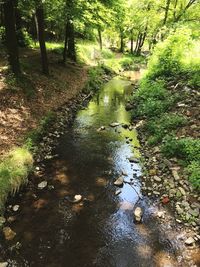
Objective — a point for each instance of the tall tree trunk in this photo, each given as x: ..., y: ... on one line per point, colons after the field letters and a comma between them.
x: 137, y: 42
x: 100, y: 39
x: 175, y: 6
x: 166, y: 11
x: 66, y: 43
x: 41, y: 35
x: 131, y: 44
x: 11, y: 38
x: 121, y: 41
x: 1, y: 15
x: 71, y: 50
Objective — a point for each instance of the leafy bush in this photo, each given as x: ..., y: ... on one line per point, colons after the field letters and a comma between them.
x: 2, y: 35
x: 159, y: 127
x: 187, y: 148
x: 167, y: 59
x: 194, y: 173
x: 24, y: 38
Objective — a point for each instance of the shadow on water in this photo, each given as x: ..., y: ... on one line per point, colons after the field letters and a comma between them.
x: 99, y: 231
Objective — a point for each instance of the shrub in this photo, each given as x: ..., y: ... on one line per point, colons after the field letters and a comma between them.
x: 24, y: 38
x: 194, y: 173
x: 168, y: 57
x: 2, y: 35
x: 159, y: 127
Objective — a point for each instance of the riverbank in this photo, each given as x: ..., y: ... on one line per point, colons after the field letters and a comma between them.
x: 166, y: 115
x: 30, y: 106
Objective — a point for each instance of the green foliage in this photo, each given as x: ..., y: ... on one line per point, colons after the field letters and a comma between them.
x: 188, y: 150
x: 167, y: 59
x: 24, y: 38
x: 2, y: 35
x: 152, y: 98
x: 157, y: 128
x: 193, y: 170
x: 14, y: 170
x: 95, y: 78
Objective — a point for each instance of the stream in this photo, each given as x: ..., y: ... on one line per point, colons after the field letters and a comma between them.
x: 100, y: 230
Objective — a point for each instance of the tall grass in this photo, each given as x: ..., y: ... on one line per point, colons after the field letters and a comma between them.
x: 14, y: 170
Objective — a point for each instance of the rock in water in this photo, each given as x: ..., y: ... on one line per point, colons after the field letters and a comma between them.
x: 138, y: 214
x: 118, y: 192
x: 119, y: 181
x: 3, y: 264
x: 42, y: 185
x: 77, y: 198
x: 114, y: 124
x: 16, y: 208
x: 9, y: 234
x: 189, y: 241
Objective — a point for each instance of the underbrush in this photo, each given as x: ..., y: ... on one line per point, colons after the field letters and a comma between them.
x: 175, y: 61
x: 157, y: 128
x: 188, y: 151
x: 14, y: 170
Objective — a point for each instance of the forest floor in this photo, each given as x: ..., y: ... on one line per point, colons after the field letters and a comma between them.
x: 25, y: 101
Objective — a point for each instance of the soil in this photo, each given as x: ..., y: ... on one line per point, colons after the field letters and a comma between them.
x: 24, y: 103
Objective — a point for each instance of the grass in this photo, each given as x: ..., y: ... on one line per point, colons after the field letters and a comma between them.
x: 14, y: 170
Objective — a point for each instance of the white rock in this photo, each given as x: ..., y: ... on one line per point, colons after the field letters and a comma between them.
x: 138, y: 214
x: 118, y: 192
x: 15, y: 208
x: 77, y: 198
x: 161, y: 214
x: 189, y: 241
x: 42, y: 185
x: 119, y: 181
x: 3, y: 264
x: 114, y: 124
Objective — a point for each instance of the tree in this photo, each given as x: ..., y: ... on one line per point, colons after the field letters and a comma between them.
x: 41, y: 37
x: 11, y: 38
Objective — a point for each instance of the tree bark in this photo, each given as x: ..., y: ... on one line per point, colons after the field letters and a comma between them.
x: 166, y: 11
x: 100, y: 39
x: 41, y: 36
x: 11, y: 38
x: 121, y: 41
x: 66, y: 43
x: 71, y: 50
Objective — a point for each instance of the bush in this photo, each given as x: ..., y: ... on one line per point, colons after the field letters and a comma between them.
x: 187, y: 148
x: 194, y: 173
x: 159, y: 127
x: 24, y: 38
x: 2, y: 35
x: 168, y: 57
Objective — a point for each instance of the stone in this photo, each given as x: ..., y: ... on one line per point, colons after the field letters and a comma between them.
x: 15, y: 208
x: 2, y: 221
x: 182, y: 191
x: 119, y: 181
x: 77, y: 198
x: 157, y: 179
x: 118, y: 192
x: 3, y: 264
x: 133, y: 160
x: 175, y: 175
x: 161, y: 214
x: 102, y: 128
x: 42, y: 185
x: 114, y: 124
x: 179, y: 210
x: 9, y: 234
x: 138, y: 214
x: 189, y: 241
x: 152, y: 172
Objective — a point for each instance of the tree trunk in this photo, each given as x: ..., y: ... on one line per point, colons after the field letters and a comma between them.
x: 131, y: 44
x: 41, y: 35
x: 65, y: 44
x: 71, y: 50
x: 121, y: 41
x: 166, y: 11
x: 11, y: 38
x: 100, y: 39
x: 1, y: 15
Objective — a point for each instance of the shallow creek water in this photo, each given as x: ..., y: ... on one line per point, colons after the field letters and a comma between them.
x: 99, y: 231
